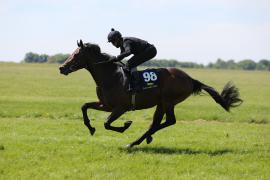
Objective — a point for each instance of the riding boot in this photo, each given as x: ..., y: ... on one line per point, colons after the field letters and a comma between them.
x: 130, y: 84
x: 129, y: 77
x: 136, y: 81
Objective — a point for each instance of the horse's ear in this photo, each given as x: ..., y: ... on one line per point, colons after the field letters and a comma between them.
x: 81, y: 43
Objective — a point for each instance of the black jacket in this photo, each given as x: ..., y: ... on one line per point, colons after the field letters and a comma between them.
x: 132, y: 45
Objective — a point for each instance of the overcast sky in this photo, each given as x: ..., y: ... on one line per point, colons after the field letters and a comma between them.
x: 186, y: 30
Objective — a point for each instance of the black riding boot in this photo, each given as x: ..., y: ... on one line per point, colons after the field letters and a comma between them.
x: 135, y: 81
x: 133, y: 77
x: 129, y: 77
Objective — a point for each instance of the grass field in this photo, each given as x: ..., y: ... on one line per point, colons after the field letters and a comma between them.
x: 42, y: 135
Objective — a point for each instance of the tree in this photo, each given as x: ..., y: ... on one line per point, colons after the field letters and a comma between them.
x: 58, y: 58
x: 247, y: 64
x: 263, y: 65
x: 231, y: 64
x: 221, y: 64
x: 31, y: 57
x: 43, y: 58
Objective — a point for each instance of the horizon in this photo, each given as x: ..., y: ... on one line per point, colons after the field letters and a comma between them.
x: 199, y: 32
x: 155, y: 59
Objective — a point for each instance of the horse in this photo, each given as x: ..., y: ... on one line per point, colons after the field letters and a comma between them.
x: 111, y: 88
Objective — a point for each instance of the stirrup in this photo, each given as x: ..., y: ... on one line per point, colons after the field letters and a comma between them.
x: 133, y: 101
x: 130, y: 88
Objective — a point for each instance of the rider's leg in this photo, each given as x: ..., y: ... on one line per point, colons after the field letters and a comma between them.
x: 138, y: 59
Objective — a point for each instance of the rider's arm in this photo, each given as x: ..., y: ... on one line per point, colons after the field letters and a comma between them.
x: 126, y: 52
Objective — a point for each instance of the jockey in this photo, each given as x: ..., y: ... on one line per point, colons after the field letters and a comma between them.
x: 142, y: 51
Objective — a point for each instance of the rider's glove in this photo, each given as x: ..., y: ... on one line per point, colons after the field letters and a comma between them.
x: 113, y: 59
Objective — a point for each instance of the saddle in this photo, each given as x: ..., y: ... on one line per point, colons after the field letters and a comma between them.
x: 143, y: 80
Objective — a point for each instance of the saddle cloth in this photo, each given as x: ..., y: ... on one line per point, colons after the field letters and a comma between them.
x: 143, y: 80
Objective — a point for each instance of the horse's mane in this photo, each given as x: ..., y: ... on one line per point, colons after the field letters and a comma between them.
x: 96, y: 49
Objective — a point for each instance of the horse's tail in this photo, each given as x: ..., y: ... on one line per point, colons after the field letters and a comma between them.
x: 228, y: 98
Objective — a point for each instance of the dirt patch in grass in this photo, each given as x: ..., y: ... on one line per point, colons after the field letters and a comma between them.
x: 201, y: 121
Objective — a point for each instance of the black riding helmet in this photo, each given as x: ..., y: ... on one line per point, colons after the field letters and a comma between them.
x: 114, y: 35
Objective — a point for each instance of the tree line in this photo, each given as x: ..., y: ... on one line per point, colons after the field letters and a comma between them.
x: 246, y: 64
x: 31, y: 57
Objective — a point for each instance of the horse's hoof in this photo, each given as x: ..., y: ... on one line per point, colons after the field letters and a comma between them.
x: 92, y: 131
x: 127, y: 124
x: 149, y: 139
x: 129, y: 146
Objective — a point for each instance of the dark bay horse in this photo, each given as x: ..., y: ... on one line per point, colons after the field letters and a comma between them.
x: 174, y: 87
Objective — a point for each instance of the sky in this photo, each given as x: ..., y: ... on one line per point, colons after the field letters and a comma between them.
x: 200, y: 31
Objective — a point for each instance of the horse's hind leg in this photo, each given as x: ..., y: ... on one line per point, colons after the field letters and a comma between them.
x: 170, y: 118
x: 156, y: 125
x: 158, y: 116
x: 91, y: 105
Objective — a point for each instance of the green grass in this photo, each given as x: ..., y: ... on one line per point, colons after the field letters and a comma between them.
x: 34, y: 90
x: 42, y: 135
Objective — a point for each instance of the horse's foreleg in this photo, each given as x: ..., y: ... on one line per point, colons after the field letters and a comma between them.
x: 91, y: 105
x: 116, y: 113
x: 158, y: 116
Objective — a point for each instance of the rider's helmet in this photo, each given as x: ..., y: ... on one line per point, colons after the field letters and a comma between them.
x: 114, y: 35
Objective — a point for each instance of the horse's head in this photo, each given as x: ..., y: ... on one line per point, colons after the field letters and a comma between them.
x: 82, y: 57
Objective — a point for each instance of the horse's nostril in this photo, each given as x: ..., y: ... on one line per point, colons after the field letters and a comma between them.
x: 61, y: 69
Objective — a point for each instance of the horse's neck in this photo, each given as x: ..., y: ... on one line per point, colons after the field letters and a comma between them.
x: 107, y: 76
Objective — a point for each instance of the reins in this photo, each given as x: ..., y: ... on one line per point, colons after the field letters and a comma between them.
x: 107, y: 62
